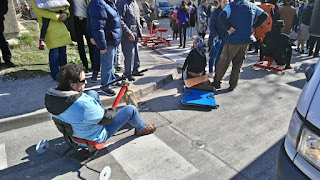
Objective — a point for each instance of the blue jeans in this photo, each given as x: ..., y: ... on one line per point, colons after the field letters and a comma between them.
x: 127, y: 114
x: 131, y: 57
x: 57, y: 58
x: 107, y: 61
x: 213, y: 56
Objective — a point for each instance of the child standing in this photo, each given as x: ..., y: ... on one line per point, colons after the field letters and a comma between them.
x: 174, y: 24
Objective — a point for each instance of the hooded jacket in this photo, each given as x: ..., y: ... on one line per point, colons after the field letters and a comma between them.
x: 57, y: 34
x: 86, y: 116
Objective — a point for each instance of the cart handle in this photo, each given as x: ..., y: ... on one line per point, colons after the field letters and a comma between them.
x: 123, y: 78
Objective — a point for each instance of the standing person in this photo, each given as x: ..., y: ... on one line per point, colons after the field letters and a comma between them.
x: 106, y: 30
x: 80, y: 27
x: 239, y: 17
x: 214, y: 6
x: 313, y: 40
x: 202, y: 19
x: 260, y: 32
x: 304, y: 27
x: 218, y: 32
x: 174, y: 24
x: 4, y: 45
x: 183, y: 20
x: 288, y: 14
x: 147, y: 12
x: 192, y: 19
x: 57, y: 37
x: 132, y: 30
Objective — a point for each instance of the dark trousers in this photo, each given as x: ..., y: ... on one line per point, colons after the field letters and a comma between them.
x: 287, y: 56
x: 184, y: 29
x: 80, y: 26
x: 45, y: 25
x: 4, y: 45
x: 313, y: 40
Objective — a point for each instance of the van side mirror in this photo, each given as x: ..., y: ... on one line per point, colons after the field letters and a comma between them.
x: 309, y: 72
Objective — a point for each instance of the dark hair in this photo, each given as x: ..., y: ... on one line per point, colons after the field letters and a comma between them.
x: 184, y: 7
x: 69, y: 73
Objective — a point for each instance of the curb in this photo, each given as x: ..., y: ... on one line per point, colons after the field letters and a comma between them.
x: 42, y: 115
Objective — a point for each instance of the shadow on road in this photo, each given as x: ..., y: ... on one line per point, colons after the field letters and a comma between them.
x: 50, y: 165
x: 264, y: 167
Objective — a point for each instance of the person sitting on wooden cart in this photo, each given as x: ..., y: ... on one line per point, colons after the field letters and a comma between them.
x: 84, y: 111
x: 277, y: 45
x: 196, y: 61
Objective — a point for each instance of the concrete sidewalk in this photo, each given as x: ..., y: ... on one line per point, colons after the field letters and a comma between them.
x: 22, y: 101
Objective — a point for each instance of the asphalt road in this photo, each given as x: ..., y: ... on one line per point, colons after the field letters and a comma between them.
x: 239, y: 140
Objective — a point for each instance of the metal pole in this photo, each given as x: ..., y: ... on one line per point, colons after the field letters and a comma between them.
x: 155, y: 9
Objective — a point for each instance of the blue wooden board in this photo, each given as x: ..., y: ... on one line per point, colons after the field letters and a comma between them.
x: 199, y: 98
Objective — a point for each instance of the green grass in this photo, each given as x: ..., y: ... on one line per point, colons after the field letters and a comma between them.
x: 31, y: 61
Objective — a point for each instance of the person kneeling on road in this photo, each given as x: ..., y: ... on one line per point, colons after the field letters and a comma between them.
x: 84, y: 111
x: 277, y: 45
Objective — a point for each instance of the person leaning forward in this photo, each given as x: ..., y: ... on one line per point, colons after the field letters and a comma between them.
x: 240, y: 25
x: 84, y: 111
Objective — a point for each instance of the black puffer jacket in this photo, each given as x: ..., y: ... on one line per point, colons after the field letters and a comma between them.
x: 196, y: 61
x: 3, y: 9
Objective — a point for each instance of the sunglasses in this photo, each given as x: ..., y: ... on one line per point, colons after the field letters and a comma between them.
x: 82, y: 81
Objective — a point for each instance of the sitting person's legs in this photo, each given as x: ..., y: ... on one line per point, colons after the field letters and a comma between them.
x: 126, y: 114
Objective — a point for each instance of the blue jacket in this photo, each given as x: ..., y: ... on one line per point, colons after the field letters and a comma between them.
x: 216, y: 26
x: 183, y: 18
x: 86, y: 116
x: 241, y: 14
x: 105, y: 23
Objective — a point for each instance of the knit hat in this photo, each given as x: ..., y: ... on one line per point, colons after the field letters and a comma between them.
x: 198, y: 42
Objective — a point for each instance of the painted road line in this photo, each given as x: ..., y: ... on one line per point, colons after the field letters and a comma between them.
x: 148, y: 157
x: 3, y: 157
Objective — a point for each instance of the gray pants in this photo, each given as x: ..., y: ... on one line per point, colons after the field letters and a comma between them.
x: 231, y: 52
x: 131, y: 57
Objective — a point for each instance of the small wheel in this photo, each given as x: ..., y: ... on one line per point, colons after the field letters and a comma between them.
x: 42, y: 146
x: 105, y: 173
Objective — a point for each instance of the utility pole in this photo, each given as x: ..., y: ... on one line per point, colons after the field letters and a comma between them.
x: 155, y: 9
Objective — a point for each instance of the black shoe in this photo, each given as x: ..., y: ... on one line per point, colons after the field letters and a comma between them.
x: 255, y: 51
x: 310, y: 53
x: 119, y: 69
x: 216, y: 85
x: 315, y: 55
x: 297, y: 50
x: 131, y: 78
x: 11, y: 64
x: 230, y: 88
x: 180, y: 45
x: 94, y: 77
x: 109, y: 92
x: 139, y: 74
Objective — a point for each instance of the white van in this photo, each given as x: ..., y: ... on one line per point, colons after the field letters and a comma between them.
x: 299, y: 155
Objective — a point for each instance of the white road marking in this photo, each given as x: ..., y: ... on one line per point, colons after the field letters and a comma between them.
x: 3, y: 157
x: 148, y: 157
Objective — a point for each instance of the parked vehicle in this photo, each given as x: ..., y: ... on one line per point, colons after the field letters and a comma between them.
x: 299, y: 154
x: 164, y: 8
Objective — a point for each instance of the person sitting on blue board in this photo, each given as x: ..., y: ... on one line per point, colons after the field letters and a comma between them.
x: 196, y: 61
